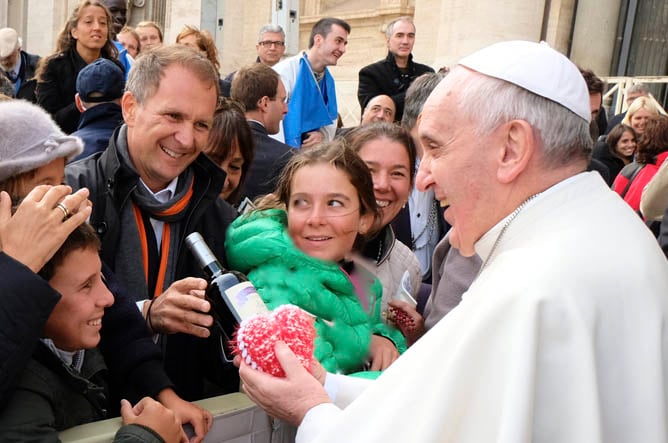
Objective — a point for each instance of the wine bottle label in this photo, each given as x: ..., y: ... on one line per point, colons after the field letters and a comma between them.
x: 246, y: 300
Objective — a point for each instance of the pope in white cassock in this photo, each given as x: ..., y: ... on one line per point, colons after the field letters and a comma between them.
x: 562, y: 337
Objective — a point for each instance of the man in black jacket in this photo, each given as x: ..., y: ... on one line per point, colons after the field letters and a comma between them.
x: 150, y: 189
x: 17, y: 65
x: 393, y: 75
x: 260, y: 89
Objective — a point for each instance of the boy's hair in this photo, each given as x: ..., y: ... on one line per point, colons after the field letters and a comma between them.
x: 83, y: 237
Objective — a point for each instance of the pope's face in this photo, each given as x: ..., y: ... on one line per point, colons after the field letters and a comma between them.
x: 457, y: 164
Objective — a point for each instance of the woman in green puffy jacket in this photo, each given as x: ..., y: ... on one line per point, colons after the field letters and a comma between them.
x: 303, y: 255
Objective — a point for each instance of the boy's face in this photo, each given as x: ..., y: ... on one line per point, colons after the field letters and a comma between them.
x: 76, y: 320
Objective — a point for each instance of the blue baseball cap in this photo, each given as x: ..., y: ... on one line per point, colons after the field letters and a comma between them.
x: 101, y: 81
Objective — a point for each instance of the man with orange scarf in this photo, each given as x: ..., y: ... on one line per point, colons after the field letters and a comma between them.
x: 152, y: 187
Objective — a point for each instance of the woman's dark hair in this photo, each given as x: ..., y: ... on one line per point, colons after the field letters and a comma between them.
x: 615, y: 134
x: 66, y: 42
x: 361, y: 135
x: 83, y: 237
x: 230, y: 126
x: 338, y: 154
x: 653, y: 141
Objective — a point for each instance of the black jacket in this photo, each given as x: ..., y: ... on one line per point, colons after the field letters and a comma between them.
x: 270, y: 158
x: 26, y: 301
x: 57, y: 86
x: 613, y: 163
x: 51, y: 397
x: 384, y: 77
x: 96, y: 126
x: 188, y: 359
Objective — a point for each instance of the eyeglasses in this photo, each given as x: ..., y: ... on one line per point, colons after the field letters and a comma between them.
x: 266, y: 43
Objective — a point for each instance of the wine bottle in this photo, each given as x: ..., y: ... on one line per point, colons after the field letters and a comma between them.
x: 233, y: 298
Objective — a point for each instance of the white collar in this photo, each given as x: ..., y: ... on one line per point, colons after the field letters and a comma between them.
x: 163, y: 195
x: 483, y: 247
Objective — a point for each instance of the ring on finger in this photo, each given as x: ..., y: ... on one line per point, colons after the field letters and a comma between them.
x: 62, y: 207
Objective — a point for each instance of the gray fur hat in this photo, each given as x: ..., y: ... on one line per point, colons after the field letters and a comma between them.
x: 29, y: 139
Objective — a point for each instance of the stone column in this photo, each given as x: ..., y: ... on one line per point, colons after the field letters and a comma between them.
x: 242, y: 23
x: 559, y: 24
x: 179, y: 13
x: 4, y: 12
x: 450, y: 29
x: 594, y: 35
x: 46, y: 19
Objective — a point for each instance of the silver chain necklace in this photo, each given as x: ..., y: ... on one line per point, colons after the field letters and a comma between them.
x: 509, y: 220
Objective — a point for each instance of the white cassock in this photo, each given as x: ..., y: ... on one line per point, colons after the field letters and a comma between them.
x: 561, y: 338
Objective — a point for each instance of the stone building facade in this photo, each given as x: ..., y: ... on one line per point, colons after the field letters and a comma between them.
x: 446, y: 29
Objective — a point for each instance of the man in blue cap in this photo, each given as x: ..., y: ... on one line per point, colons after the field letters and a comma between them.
x: 100, y: 86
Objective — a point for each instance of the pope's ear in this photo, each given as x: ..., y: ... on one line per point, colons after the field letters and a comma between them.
x: 518, y: 146
x: 129, y: 106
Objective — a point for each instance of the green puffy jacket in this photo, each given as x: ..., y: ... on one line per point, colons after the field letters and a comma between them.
x: 258, y: 245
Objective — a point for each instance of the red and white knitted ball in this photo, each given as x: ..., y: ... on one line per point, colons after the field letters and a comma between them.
x: 256, y: 337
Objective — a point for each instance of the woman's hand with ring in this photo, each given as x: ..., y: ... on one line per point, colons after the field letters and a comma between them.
x: 37, y: 229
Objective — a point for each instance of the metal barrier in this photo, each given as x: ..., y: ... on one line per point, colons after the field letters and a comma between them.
x: 236, y: 420
x: 621, y: 85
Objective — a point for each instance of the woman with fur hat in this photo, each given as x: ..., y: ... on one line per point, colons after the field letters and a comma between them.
x: 30, y: 237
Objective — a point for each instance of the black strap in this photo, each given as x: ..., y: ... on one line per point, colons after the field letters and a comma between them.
x: 638, y: 167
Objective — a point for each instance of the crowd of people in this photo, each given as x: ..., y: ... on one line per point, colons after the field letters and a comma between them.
x: 456, y: 248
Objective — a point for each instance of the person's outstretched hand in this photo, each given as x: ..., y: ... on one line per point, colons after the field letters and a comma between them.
x: 199, y: 418
x: 151, y: 414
